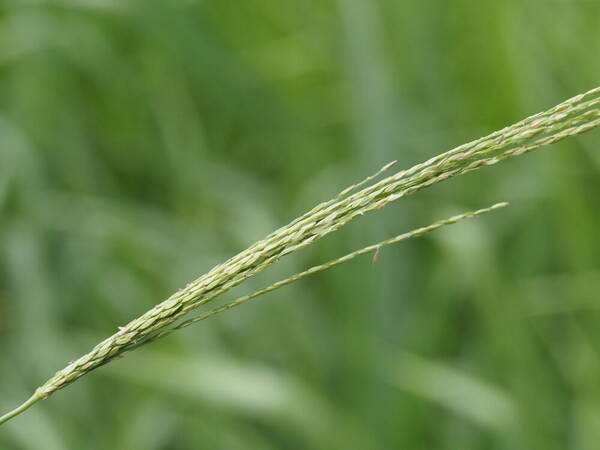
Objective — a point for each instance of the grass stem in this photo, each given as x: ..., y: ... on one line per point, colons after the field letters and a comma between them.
x: 24, y: 407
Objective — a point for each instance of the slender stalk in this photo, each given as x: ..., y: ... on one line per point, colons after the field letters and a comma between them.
x: 375, y: 248
x: 24, y: 407
x: 241, y: 300
x: 574, y: 116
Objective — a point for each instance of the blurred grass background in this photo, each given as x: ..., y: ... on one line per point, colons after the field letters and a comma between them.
x: 143, y: 142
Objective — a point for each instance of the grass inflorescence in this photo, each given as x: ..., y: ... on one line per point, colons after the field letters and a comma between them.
x: 574, y: 116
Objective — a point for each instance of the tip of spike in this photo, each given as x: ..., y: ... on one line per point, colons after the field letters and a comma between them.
x: 389, y: 165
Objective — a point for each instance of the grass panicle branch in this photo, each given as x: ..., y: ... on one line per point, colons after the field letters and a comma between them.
x: 375, y: 248
x: 241, y: 300
x: 574, y: 116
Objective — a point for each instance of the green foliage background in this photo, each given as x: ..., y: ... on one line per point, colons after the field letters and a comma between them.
x: 144, y: 141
